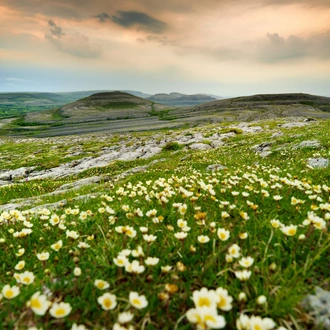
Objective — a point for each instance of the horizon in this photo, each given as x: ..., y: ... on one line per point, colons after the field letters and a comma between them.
x: 214, y: 47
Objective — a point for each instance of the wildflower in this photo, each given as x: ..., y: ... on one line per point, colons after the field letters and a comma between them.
x: 289, y: 230
x: 276, y: 223
x: 83, y: 245
x: 180, y: 235
x: 166, y: 269
x: 107, y: 301
x: 182, y: 209
x: 56, y: 246
x: 137, y: 301
x: 9, y: 292
x: 72, y: 234
x: 120, y: 261
x: 203, y: 239
x: 261, y: 300
x: 20, y: 252
x: 149, y: 238
x: 229, y: 258
x: 225, y: 215
x: 134, y: 267
x: 39, y: 303
x: 144, y: 229
x: 243, y: 275
x: 43, y: 256
x: 78, y: 327
x: 301, y: 237
x: 243, y: 235
x: 205, y: 318
x: 234, y: 251
x: 171, y: 288
x: 246, y: 262
x: 77, y: 271
x: 26, y: 278
x: 244, y: 215
x: 205, y: 298
x: 125, y: 317
x: 59, y: 310
x: 20, y: 265
x: 181, y: 223
x: 102, y: 285
x: 242, y: 296
x: 277, y: 197
x: 138, y: 252
x: 223, y: 234
x: 54, y: 220
x: 151, y: 261
x: 151, y: 213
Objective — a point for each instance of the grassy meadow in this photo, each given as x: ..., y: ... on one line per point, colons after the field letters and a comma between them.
x: 176, y: 246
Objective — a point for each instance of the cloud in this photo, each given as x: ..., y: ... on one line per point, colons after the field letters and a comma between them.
x: 55, y: 30
x: 140, y: 20
x: 75, y: 43
x: 275, y: 48
x: 103, y: 17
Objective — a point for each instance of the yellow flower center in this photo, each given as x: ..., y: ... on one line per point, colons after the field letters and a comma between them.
x: 204, y: 302
x: 107, y: 303
x: 223, y: 235
x: 136, y: 302
x: 35, y: 303
x: 100, y: 285
x: 292, y: 231
x: 26, y: 279
x: 222, y: 302
x: 9, y: 293
x: 60, y: 312
x: 209, y: 318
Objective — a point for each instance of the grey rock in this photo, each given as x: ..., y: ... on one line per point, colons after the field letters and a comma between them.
x: 217, y: 143
x: 84, y: 182
x: 200, y: 146
x: 319, y: 306
x: 318, y: 162
x: 264, y: 146
x: 277, y: 134
x: 216, y: 167
x: 17, y: 173
x: 294, y: 124
x: 265, y: 153
x: 309, y: 144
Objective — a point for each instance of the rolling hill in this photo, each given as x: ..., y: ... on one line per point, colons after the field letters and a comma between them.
x: 180, y: 100
x: 120, y: 112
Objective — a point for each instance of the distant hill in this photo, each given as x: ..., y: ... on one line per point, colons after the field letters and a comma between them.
x: 122, y: 112
x: 260, y: 106
x: 99, y: 106
x: 181, y: 100
x: 16, y: 104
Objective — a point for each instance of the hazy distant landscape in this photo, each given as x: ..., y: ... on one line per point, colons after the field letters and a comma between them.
x: 122, y: 112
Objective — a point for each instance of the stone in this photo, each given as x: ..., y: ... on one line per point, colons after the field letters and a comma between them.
x: 216, y: 167
x: 318, y: 162
x: 277, y: 134
x: 200, y: 146
x: 319, y: 306
x: 309, y: 144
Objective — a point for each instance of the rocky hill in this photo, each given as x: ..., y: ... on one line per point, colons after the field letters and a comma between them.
x: 180, y: 100
x: 123, y: 112
x: 261, y: 106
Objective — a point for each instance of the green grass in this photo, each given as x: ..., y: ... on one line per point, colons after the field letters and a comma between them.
x: 284, y: 270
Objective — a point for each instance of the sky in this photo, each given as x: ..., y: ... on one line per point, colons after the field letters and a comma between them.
x: 222, y: 47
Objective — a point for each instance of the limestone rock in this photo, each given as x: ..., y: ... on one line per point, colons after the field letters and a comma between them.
x: 309, y: 144
x: 318, y: 162
x: 216, y: 167
x: 200, y: 146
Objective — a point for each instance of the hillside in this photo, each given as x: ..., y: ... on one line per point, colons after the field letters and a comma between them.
x: 255, y: 107
x: 122, y: 112
x: 180, y: 100
x: 20, y: 103
x: 234, y: 215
